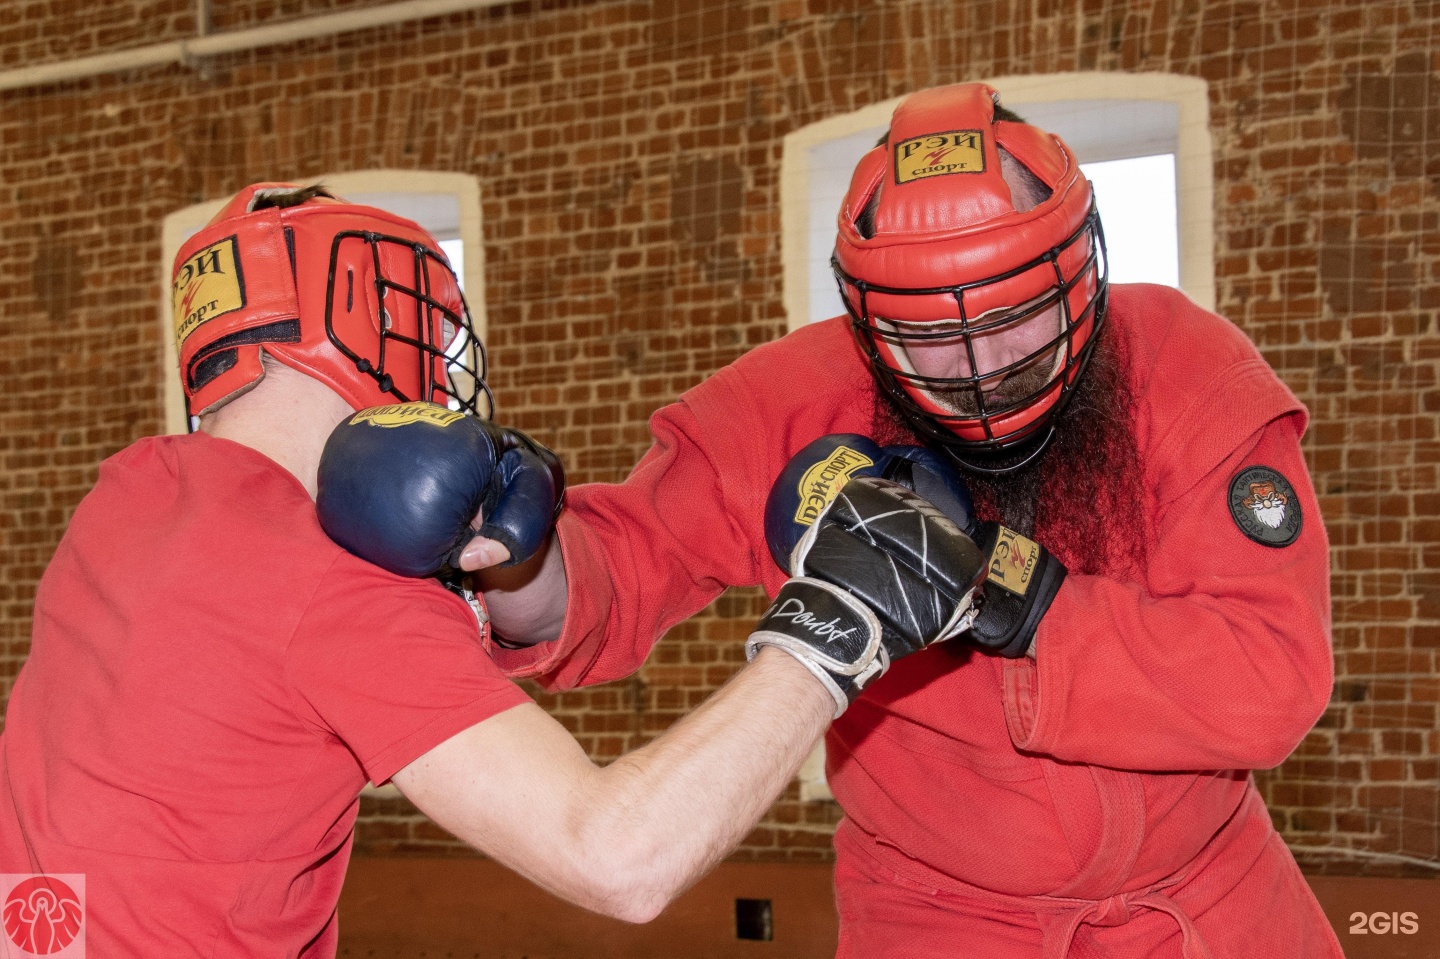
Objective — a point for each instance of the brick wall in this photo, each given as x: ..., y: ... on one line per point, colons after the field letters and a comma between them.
x: 628, y: 156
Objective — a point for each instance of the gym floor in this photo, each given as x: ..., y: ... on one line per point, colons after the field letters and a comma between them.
x: 476, y: 909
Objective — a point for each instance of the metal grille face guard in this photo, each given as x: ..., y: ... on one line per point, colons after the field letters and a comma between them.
x: 445, y: 353
x: 979, y: 439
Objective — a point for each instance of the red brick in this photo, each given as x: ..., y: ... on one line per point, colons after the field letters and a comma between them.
x: 628, y: 158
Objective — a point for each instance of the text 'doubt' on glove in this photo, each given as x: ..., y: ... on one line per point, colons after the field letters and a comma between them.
x: 879, y: 574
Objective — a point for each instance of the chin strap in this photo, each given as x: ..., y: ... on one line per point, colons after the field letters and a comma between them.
x: 1002, y: 462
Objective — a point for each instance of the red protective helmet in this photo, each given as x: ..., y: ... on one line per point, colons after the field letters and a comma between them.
x: 934, y: 253
x: 358, y: 298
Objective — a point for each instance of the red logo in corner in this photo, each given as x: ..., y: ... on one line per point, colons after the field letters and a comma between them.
x: 44, y: 915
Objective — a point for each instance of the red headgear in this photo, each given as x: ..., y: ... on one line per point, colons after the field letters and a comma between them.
x: 950, y: 257
x: 358, y: 298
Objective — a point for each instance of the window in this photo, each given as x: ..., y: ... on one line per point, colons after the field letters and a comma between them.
x: 446, y: 204
x: 1142, y: 140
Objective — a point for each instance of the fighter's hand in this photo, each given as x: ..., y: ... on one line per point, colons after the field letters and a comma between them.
x: 878, y: 575
x: 401, y: 485
x: 1023, y: 575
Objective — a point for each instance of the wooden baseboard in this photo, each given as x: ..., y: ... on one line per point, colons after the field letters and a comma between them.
x: 477, y: 909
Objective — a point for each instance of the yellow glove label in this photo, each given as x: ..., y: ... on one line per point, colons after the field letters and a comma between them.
x: 403, y: 414
x: 1012, y: 561
x: 823, y: 480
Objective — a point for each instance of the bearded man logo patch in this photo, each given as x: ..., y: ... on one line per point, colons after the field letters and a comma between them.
x: 1264, y: 506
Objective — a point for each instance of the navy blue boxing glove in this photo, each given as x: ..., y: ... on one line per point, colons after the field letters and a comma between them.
x: 399, y: 486
x: 1023, y: 575
x: 809, y: 482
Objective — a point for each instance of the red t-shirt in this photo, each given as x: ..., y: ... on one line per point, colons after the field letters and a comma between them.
x: 210, y: 683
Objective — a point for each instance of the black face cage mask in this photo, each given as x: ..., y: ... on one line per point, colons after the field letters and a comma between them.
x: 1000, y: 451
x: 463, y: 387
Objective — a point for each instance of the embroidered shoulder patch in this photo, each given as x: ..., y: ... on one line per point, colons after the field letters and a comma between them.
x: 1264, y: 506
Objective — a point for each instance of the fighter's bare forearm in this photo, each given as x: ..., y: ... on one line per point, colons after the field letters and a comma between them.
x: 527, y: 602
x: 664, y: 815
x: 628, y: 838
x: 625, y: 839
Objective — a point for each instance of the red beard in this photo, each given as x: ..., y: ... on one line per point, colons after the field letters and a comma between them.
x: 1084, y: 498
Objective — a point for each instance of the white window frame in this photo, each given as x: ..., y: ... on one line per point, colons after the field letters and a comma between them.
x: 1194, y: 171
x: 363, y: 186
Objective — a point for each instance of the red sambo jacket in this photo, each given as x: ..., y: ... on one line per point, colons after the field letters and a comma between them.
x: 1094, y: 800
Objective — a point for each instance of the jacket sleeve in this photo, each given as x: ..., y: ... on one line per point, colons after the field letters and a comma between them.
x: 1224, y: 661
x: 642, y: 555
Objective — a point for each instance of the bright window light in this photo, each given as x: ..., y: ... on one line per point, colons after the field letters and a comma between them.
x: 1149, y: 158
x: 1136, y: 197
x: 830, y: 166
x: 454, y: 251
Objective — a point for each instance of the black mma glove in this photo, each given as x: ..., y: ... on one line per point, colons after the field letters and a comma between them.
x: 880, y: 574
x: 1023, y: 575
x: 399, y: 485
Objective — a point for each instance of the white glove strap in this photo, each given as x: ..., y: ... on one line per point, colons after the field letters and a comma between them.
x: 829, y: 631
